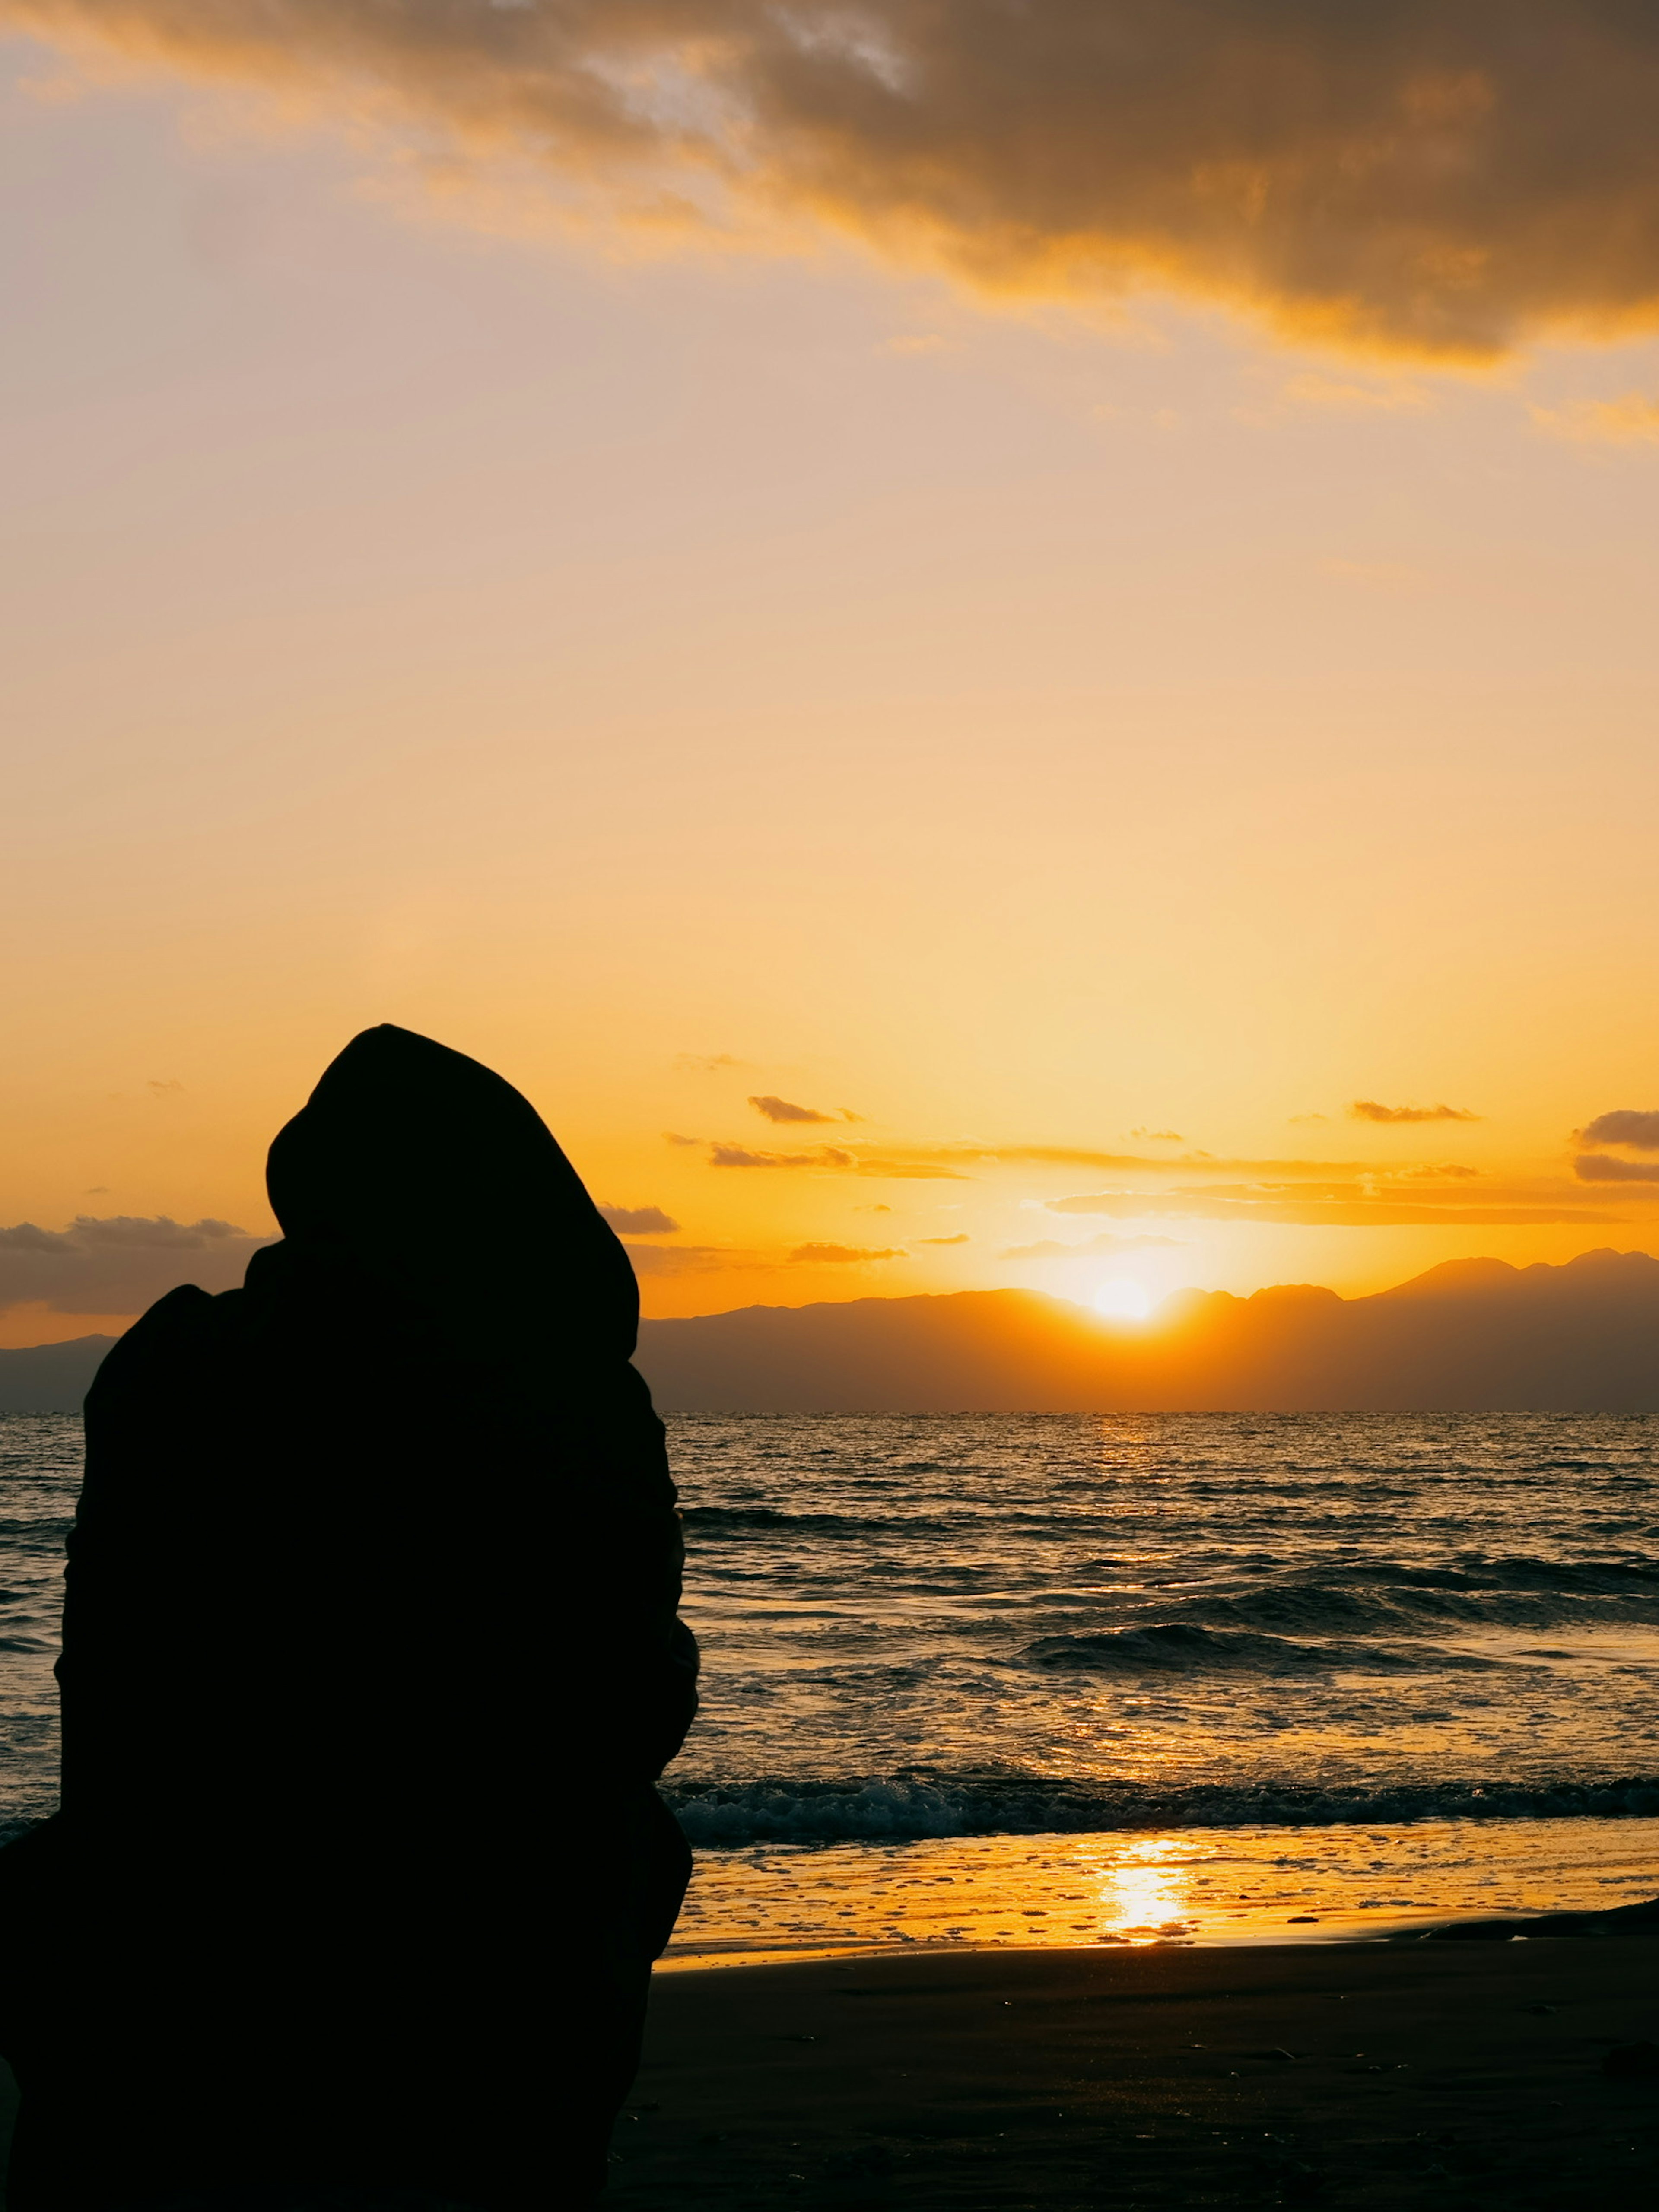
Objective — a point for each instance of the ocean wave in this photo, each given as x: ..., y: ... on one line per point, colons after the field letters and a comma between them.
x: 1408, y: 1609
x: 771, y: 1520
x: 1183, y: 1647
x: 726, y: 1815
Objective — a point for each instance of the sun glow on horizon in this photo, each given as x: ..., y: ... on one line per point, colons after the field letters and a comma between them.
x: 1122, y: 1298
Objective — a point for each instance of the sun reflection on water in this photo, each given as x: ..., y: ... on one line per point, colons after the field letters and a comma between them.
x: 1142, y: 1892
x: 1194, y: 1885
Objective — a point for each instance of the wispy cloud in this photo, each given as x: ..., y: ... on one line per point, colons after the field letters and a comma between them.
x: 1601, y: 1167
x: 834, y: 1159
x: 815, y: 1254
x: 692, y: 1259
x: 740, y: 1156
x: 1340, y: 1207
x: 1436, y: 179
x: 1370, y: 1109
x: 961, y: 1237
x: 784, y: 1109
x: 1632, y: 420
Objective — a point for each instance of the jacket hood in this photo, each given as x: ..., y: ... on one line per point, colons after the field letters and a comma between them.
x: 428, y: 1171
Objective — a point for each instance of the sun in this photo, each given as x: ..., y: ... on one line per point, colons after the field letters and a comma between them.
x: 1123, y: 1299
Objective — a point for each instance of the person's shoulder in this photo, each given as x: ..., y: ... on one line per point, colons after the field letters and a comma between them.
x: 173, y: 1333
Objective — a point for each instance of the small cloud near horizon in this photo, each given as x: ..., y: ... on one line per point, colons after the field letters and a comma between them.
x: 706, y: 1063
x: 831, y: 1156
x: 688, y: 1259
x: 119, y: 1263
x: 1370, y: 1109
x: 740, y: 1156
x: 1160, y: 1136
x: 962, y: 1238
x: 1634, y: 1127
x: 812, y: 1253
x: 164, y: 1090
x: 784, y: 1109
x: 1600, y: 1167
x: 1367, y: 1204
x: 639, y: 1220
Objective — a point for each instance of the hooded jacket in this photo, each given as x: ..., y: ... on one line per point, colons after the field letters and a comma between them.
x: 370, y: 1657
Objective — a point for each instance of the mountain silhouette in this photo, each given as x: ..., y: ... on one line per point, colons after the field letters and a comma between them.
x: 51, y: 1378
x: 1471, y: 1335
x: 1474, y: 1335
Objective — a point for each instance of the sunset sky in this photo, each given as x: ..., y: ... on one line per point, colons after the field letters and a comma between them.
x: 982, y: 646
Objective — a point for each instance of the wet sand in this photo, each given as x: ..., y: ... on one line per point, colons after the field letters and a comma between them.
x: 1441, y: 2074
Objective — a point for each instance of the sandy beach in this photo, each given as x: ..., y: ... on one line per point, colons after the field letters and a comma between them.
x: 1432, y: 2073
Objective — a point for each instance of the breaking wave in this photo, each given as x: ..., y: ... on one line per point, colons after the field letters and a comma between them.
x: 718, y: 1816
x: 1181, y: 1647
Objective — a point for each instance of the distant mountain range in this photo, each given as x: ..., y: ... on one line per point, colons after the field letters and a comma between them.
x: 1474, y: 1335
x: 49, y: 1378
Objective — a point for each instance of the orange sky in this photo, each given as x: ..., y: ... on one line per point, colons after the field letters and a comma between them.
x: 1019, y: 681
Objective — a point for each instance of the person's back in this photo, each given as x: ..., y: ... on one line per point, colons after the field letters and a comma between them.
x: 369, y: 1660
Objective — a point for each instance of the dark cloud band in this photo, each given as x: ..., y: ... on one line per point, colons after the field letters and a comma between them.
x: 1437, y: 176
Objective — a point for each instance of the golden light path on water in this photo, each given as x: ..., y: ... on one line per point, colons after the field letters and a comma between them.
x: 1189, y: 1885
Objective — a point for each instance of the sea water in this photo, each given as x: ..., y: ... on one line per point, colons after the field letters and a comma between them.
x: 1038, y: 1678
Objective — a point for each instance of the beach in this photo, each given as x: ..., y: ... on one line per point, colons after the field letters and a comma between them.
x: 1426, y: 2072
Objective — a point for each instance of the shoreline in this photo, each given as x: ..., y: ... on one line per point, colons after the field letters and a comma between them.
x: 1376, y: 2074
x: 1217, y: 1886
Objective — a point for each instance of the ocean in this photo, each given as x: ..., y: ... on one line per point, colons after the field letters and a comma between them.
x: 1171, y: 1677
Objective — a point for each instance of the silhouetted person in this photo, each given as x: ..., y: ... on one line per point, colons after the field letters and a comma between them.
x: 370, y: 1659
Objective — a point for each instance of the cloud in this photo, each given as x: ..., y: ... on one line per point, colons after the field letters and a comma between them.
x: 1092, y: 1247
x: 1159, y: 1136
x: 961, y: 1237
x: 1626, y: 1125
x: 783, y: 1110
x: 740, y: 1156
x: 1355, y: 1206
x: 639, y: 1220
x: 832, y: 1157
x: 1368, y: 1110
x: 817, y: 1252
x: 119, y: 1264
x: 1441, y: 180
x: 697, y: 1063
x: 689, y: 1259
x: 1633, y: 420
x: 673, y: 1136
x: 164, y: 1090
x: 1599, y: 1167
